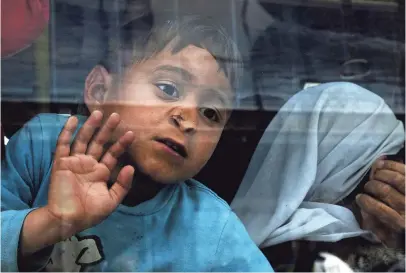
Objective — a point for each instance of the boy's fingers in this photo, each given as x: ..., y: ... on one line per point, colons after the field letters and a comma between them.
x: 123, y: 184
x: 392, y: 165
x: 381, y: 211
x: 393, y: 178
x: 65, y: 137
x: 387, y: 194
x: 116, y: 150
x: 86, y: 133
x: 96, y: 146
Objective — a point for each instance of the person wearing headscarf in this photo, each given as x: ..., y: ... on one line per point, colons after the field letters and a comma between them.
x: 310, y: 160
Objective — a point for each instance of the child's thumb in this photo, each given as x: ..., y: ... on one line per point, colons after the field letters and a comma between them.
x: 123, y: 184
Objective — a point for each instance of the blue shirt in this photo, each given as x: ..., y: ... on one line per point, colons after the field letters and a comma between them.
x: 186, y: 227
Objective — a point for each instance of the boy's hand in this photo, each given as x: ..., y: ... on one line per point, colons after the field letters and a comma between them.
x: 383, y: 204
x: 79, y: 196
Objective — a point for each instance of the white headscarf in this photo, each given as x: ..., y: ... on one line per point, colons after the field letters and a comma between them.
x: 313, y: 154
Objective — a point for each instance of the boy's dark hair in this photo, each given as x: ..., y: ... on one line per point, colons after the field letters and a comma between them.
x: 134, y: 45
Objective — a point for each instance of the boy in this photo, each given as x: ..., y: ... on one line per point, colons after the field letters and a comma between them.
x: 68, y: 206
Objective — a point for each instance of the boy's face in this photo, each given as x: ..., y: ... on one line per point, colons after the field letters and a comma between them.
x: 176, y: 105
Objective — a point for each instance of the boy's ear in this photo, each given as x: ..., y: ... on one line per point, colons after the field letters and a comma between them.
x: 98, y: 82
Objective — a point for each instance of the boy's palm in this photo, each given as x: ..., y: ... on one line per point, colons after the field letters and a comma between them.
x: 79, y: 195
x: 80, y: 188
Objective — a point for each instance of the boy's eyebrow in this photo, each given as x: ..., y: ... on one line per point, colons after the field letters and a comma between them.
x: 224, y: 99
x: 186, y: 75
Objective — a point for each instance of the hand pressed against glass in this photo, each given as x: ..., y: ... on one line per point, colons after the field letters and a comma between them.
x: 79, y: 196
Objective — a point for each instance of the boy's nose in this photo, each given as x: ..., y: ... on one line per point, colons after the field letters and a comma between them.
x: 185, y: 120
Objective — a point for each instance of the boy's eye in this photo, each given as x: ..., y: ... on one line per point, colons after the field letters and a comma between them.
x: 210, y: 114
x: 169, y: 89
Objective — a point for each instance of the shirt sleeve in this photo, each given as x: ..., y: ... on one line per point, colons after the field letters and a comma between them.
x: 237, y: 252
x: 21, y: 174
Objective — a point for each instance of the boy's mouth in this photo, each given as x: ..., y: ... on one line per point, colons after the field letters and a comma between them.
x: 175, y: 146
